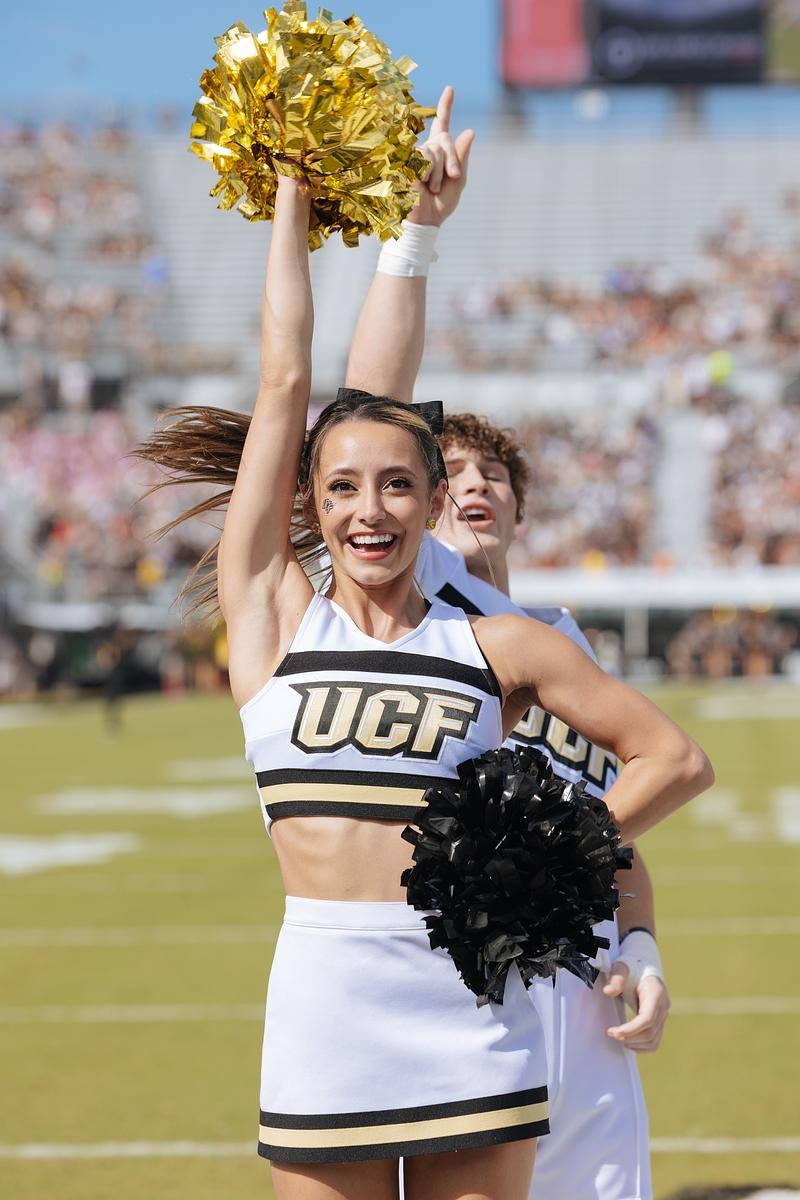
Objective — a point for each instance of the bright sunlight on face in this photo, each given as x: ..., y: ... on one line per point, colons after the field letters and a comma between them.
x: 481, y: 486
x: 373, y: 498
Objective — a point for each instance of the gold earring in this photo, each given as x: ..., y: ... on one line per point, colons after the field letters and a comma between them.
x: 315, y: 527
x: 430, y: 523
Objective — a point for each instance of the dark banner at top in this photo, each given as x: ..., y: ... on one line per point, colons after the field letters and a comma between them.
x: 677, y: 41
x: 568, y: 43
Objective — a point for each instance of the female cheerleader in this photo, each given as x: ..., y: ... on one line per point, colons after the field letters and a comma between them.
x: 353, y: 703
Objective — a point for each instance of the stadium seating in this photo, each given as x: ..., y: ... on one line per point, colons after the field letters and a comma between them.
x: 561, y: 211
x: 123, y: 288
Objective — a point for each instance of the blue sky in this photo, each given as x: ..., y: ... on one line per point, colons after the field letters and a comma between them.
x: 144, y: 54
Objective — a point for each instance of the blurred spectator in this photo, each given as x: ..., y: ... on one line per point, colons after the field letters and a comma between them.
x: 756, y: 502
x: 722, y: 643
x: 591, y: 501
x: 75, y: 248
x: 75, y: 501
x: 82, y: 296
x: 741, y: 296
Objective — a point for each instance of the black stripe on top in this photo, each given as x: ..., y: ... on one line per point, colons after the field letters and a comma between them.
x: 402, y: 1116
x: 359, y: 778
x: 389, y: 663
x: 548, y: 614
x: 335, y: 808
x: 455, y: 599
x: 433, y: 1145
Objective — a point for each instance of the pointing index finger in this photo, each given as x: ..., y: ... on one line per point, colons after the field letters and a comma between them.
x: 444, y: 110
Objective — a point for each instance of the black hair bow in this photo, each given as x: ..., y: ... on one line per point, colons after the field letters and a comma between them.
x: 431, y: 411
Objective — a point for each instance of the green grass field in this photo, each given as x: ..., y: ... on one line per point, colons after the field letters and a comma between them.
x: 133, y: 985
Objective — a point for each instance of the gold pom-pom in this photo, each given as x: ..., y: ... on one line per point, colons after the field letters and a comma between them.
x: 318, y: 99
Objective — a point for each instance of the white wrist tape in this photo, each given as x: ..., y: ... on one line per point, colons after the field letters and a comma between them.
x: 639, y: 952
x: 410, y: 254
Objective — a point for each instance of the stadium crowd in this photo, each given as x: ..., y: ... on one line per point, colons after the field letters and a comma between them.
x: 82, y: 279
x: 718, y: 645
x: 72, y: 503
x: 84, y: 291
x: 740, y: 296
x: 591, y: 503
x: 755, y: 517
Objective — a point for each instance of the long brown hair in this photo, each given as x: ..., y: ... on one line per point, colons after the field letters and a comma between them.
x: 205, y: 445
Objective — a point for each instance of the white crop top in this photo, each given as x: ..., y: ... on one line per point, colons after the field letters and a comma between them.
x: 352, y: 726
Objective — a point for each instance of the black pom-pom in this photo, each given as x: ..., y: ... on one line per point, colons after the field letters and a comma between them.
x: 514, y: 864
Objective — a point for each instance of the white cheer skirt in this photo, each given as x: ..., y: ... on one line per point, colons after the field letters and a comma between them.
x: 374, y: 1048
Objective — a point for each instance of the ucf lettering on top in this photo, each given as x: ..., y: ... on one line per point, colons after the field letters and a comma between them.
x: 365, y: 731
x: 410, y: 720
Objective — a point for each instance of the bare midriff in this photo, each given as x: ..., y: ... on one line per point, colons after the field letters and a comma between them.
x: 341, y: 858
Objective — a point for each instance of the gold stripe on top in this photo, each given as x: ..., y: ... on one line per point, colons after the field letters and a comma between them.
x: 413, y: 1131
x: 341, y: 793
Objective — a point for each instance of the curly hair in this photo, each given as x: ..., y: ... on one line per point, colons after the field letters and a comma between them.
x: 478, y: 433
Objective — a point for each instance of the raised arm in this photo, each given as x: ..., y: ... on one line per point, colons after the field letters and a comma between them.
x: 261, y: 584
x: 389, y: 340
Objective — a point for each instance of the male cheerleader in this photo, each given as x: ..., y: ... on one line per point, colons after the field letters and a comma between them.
x: 597, y: 1149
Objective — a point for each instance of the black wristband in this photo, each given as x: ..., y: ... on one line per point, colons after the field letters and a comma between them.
x: 637, y: 929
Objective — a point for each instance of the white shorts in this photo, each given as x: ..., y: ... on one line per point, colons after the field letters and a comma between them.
x: 598, y: 1145
x: 374, y: 1048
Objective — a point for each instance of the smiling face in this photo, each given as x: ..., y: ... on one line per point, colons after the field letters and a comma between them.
x: 372, y: 498
x: 481, y: 485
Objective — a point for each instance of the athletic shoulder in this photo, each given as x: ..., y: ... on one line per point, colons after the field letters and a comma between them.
x: 518, y: 646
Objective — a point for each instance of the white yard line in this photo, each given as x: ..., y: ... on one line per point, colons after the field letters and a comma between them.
x: 183, y: 802
x: 721, y: 809
x: 20, y: 716
x: 209, y: 846
x: 216, y: 935
x: 130, y: 1014
x: 729, y: 926
x: 736, y: 1006
x: 671, y: 877
x: 780, y: 705
x: 38, y: 1151
x: 711, y: 877
x: 120, y: 883
x: 54, y: 1150
x: 209, y: 770
x: 148, y: 935
x: 21, y: 854
x: 726, y: 1145
x: 786, y: 813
